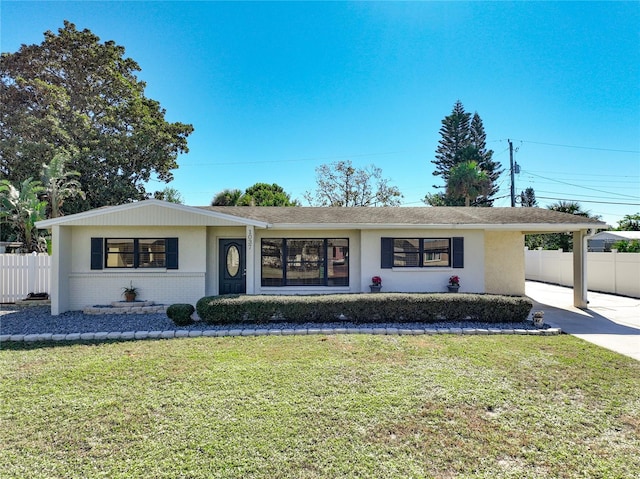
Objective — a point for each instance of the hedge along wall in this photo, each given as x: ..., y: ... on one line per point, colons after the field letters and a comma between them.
x: 359, y: 308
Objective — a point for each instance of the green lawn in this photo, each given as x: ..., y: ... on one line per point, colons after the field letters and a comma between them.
x: 356, y: 406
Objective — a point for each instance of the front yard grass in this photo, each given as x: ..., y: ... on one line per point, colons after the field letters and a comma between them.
x: 320, y: 407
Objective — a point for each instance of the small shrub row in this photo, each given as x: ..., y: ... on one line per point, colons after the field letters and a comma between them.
x: 180, y: 314
x: 360, y: 308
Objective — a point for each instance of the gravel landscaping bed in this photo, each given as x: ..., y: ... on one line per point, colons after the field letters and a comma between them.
x: 38, y: 320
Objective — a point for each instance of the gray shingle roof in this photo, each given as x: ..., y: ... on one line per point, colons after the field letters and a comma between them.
x: 406, y: 216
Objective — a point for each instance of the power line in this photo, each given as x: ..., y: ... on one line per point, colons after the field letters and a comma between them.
x: 574, y: 146
x: 578, y: 186
x: 588, y: 201
x: 582, y: 196
x: 588, y: 174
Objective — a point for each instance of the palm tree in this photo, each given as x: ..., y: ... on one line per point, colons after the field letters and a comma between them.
x: 227, y: 197
x: 467, y: 180
x: 23, y: 208
x: 572, y: 207
x: 59, y: 184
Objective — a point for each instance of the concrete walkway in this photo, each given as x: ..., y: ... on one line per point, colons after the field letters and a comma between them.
x: 612, y: 322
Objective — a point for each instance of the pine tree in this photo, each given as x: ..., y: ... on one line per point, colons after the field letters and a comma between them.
x: 455, y: 132
x: 463, y: 140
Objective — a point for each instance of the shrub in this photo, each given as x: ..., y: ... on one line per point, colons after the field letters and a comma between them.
x: 180, y: 314
x: 359, y: 308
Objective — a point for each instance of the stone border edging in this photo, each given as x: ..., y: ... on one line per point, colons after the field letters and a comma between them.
x: 183, y: 333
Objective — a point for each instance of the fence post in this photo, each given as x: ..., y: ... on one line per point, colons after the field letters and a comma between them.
x: 32, y: 259
x: 614, y: 257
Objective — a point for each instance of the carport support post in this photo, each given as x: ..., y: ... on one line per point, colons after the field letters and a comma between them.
x: 580, y: 269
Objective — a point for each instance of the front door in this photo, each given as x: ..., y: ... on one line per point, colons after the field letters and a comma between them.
x: 232, y: 266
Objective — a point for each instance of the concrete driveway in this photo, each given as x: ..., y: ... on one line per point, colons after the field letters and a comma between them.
x: 612, y: 322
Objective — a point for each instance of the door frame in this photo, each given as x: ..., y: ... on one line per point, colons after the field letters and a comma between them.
x: 223, y: 244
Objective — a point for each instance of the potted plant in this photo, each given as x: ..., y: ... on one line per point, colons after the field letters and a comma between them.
x: 130, y: 292
x: 376, y: 284
x: 454, y: 284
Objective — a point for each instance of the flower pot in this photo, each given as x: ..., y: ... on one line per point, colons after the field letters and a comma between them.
x: 453, y: 288
x: 375, y: 288
x: 130, y: 297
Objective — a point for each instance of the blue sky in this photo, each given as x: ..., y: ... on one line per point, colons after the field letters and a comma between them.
x: 276, y: 89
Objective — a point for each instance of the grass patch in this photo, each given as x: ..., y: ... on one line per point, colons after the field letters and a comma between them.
x: 320, y: 406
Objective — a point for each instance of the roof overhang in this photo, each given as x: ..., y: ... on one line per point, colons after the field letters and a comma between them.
x: 523, y: 228
x: 150, y: 213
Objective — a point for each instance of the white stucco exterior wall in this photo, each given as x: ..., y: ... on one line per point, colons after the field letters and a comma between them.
x: 88, y: 287
x: 504, y: 256
x: 418, y: 280
x: 61, y: 268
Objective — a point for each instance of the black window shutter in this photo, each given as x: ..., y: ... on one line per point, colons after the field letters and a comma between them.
x: 386, y: 253
x: 458, y: 252
x: 171, y: 251
x: 97, y: 245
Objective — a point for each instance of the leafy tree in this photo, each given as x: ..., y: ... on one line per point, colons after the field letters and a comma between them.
x: 169, y: 194
x: 629, y: 223
x: 264, y: 194
x: 626, y: 246
x: 468, y: 181
x: 563, y: 241
x: 340, y: 184
x: 463, y: 139
x: 74, y: 94
x: 227, y: 197
x: 22, y: 208
x: 528, y: 198
x: 59, y: 184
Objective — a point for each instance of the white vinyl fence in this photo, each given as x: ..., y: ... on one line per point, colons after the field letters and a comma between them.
x: 23, y: 274
x: 612, y: 272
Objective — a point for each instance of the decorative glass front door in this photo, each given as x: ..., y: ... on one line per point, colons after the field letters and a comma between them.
x: 232, y: 266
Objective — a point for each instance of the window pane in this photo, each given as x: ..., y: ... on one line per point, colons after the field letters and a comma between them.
x: 303, y: 250
x: 272, y: 272
x: 436, y: 252
x: 338, y: 262
x: 151, y: 253
x: 233, y: 261
x: 119, y: 253
x: 406, y: 252
x: 305, y: 274
x: 305, y: 262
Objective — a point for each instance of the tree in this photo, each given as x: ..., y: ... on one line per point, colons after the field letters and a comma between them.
x: 74, y: 94
x: 22, y: 208
x: 468, y: 181
x: 340, y: 184
x: 463, y: 139
x: 169, y: 194
x: 227, y: 197
x: 629, y: 223
x: 626, y: 246
x: 528, y: 198
x: 59, y: 184
x: 264, y: 194
x: 554, y: 241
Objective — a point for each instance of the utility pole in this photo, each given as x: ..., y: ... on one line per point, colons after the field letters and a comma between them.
x: 513, y: 186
